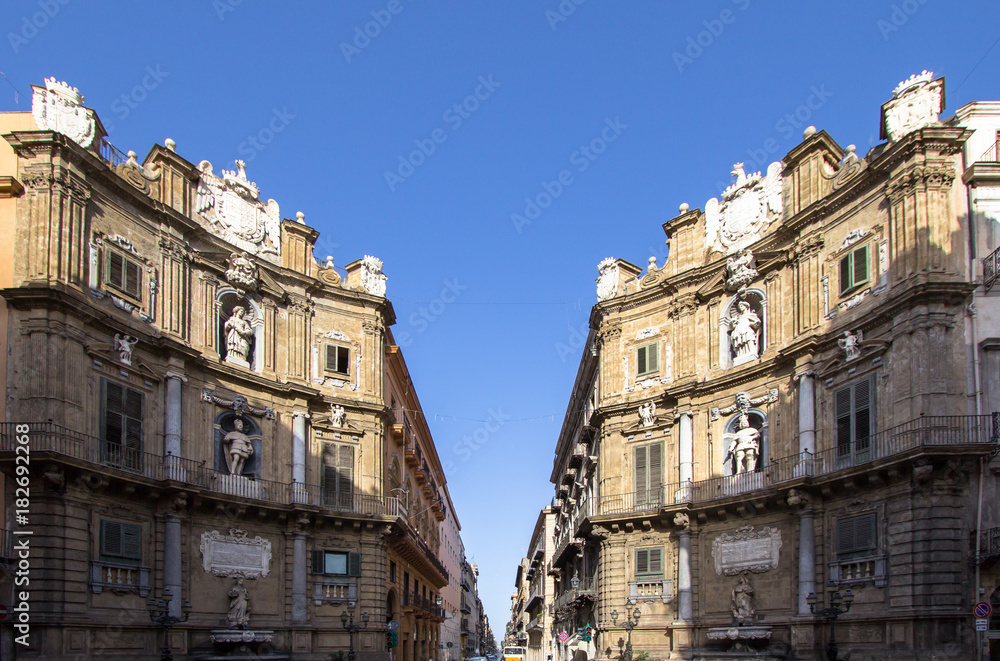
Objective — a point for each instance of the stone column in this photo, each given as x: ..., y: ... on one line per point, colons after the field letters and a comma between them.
x: 685, y: 610
x: 807, y: 414
x: 299, y: 610
x: 172, y: 563
x: 299, y: 457
x: 172, y: 427
x: 807, y: 559
x: 686, y: 450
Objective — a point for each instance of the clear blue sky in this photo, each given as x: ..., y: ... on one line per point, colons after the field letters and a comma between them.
x: 330, y: 120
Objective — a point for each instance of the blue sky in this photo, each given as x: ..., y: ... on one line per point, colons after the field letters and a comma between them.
x: 671, y: 94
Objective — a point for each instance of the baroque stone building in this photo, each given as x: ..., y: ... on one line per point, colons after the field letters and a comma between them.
x: 797, y: 409
x: 212, y: 416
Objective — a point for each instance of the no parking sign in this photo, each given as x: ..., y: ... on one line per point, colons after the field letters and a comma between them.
x: 982, y: 610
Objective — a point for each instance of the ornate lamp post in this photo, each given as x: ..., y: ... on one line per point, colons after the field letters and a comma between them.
x: 348, y: 622
x: 830, y: 614
x: 159, y: 613
x: 631, y: 622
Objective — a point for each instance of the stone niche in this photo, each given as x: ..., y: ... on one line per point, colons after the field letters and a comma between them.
x: 224, y: 424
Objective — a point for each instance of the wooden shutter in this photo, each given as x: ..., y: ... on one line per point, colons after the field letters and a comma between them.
x: 640, y: 361
x: 331, y: 358
x: 318, y: 561
x: 641, y: 562
x: 856, y: 535
x: 640, y: 471
x: 111, y: 538
x: 133, y: 278
x: 131, y: 541
x: 842, y: 403
x: 655, y: 456
x: 116, y: 270
x: 345, y: 475
x: 354, y: 564
x: 860, y: 266
x: 652, y: 358
x: 114, y: 430
x: 862, y: 411
x: 656, y: 561
x: 330, y: 459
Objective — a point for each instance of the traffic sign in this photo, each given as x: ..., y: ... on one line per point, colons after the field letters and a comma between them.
x: 4, y: 611
x: 982, y: 624
x: 563, y: 636
x: 983, y: 610
x: 393, y: 625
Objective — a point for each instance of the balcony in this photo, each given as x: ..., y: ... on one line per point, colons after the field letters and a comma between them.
x: 586, y: 590
x: 884, y: 447
x: 465, y: 585
x: 651, y: 590
x: 119, y: 578
x: 990, y: 271
x: 334, y: 591
x: 425, y: 605
x: 989, y: 547
x: 114, y: 460
x: 465, y: 606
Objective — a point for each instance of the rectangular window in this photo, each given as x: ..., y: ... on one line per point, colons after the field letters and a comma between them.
x: 123, y: 274
x: 121, y: 425
x: 338, y: 475
x: 392, y: 572
x: 337, y: 359
x: 855, y: 419
x: 648, y: 563
x: 336, y: 563
x: 648, y: 468
x: 121, y: 542
x: 853, y: 269
x: 856, y: 536
x: 646, y: 360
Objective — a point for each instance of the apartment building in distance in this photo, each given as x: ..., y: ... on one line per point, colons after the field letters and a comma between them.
x: 783, y: 438
x: 220, y: 428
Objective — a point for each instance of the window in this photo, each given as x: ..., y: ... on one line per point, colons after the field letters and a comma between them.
x: 392, y: 571
x: 121, y: 542
x: 648, y: 563
x: 853, y: 269
x: 856, y: 536
x: 336, y: 563
x: 121, y: 425
x: 648, y: 463
x: 337, y: 359
x: 123, y: 274
x: 646, y: 360
x: 338, y: 475
x: 855, y: 419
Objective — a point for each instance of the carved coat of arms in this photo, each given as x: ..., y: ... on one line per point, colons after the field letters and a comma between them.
x: 607, y: 281
x: 59, y: 107
x: 916, y: 102
x: 372, y: 278
x: 747, y: 208
x: 232, y: 205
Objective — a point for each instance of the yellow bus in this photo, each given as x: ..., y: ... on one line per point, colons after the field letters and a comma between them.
x: 513, y: 654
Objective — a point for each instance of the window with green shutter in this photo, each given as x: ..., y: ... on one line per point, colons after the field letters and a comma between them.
x: 121, y: 425
x: 121, y: 542
x: 337, y: 359
x: 856, y: 536
x: 854, y: 269
x: 647, y: 360
x: 648, y: 563
x: 123, y: 274
x: 338, y: 475
x: 648, y: 473
x: 855, y: 420
x: 336, y: 563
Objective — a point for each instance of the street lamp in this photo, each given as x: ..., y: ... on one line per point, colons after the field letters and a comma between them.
x: 159, y: 613
x: 348, y: 622
x: 830, y: 614
x: 631, y: 622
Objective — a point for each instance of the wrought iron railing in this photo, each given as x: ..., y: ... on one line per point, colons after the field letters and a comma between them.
x: 990, y: 270
x: 586, y: 587
x: 926, y: 431
x: 112, y: 154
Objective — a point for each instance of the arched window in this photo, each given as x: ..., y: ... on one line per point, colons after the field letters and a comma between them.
x: 743, y: 329
x: 746, y: 451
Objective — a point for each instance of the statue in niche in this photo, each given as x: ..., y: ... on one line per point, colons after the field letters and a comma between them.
x: 238, y: 448
x: 124, y: 345
x: 647, y: 412
x: 238, y: 334
x: 744, y: 336
x: 337, y: 415
x: 239, y: 606
x: 743, y: 610
x: 744, y: 447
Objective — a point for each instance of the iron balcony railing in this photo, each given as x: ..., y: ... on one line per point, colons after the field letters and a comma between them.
x: 586, y: 587
x: 990, y: 270
x: 49, y: 437
x: 989, y: 543
x: 926, y: 431
x: 112, y: 154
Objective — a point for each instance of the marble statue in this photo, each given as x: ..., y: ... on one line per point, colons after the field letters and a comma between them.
x: 744, y: 446
x: 744, y: 336
x: 743, y: 610
x: 238, y: 334
x: 124, y: 345
x: 337, y: 415
x: 647, y: 412
x: 238, y: 448
x: 851, y: 344
x: 239, y: 606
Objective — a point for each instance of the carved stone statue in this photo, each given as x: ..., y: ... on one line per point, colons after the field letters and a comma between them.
x: 238, y: 448
x: 337, y: 415
x: 647, y: 412
x: 740, y: 270
x: 744, y: 446
x: 239, y: 606
x: 743, y: 610
x: 238, y: 334
x: 851, y: 344
x: 242, y: 272
x: 744, y: 336
x: 124, y: 345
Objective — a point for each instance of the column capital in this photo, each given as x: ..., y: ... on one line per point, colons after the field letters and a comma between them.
x: 804, y: 373
x: 172, y: 374
x: 302, y: 414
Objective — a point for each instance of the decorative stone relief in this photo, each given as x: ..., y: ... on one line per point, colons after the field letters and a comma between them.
x: 747, y: 549
x: 337, y: 335
x: 916, y: 103
x: 239, y: 404
x: 647, y: 333
x: 607, y: 281
x: 740, y: 271
x: 647, y: 413
x: 854, y: 236
x: 59, y: 107
x: 851, y: 344
x: 744, y: 402
x: 235, y: 554
x: 372, y: 278
x: 231, y: 204
x: 137, y: 175
x: 124, y: 345
x: 747, y: 208
x: 242, y: 273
